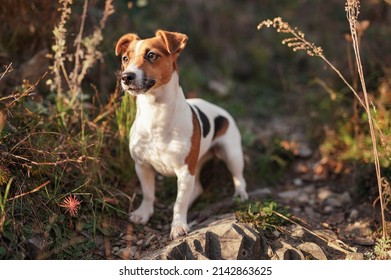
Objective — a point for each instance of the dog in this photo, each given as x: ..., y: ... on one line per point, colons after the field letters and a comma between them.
x: 170, y: 134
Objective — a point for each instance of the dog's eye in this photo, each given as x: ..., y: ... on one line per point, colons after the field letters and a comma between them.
x: 151, y: 56
x: 125, y: 59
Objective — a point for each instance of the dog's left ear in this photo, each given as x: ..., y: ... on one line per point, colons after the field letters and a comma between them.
x: 175, y: 42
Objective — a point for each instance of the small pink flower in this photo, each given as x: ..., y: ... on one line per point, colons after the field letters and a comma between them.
x: 71, y: 203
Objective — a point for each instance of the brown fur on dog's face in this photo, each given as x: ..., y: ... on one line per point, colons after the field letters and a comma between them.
x: 150, y: 54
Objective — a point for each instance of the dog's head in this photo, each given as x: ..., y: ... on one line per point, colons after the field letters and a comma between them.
x: 148, y: 64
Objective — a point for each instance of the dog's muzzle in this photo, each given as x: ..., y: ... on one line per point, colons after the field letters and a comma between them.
x: 135, y: 85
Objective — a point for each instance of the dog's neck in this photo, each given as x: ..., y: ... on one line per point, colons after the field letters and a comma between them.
x: 166, y: 94
x: 162, y: 106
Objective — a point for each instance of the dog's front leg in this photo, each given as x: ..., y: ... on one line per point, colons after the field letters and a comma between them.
x: 146, y: 175
x: 185, y: 189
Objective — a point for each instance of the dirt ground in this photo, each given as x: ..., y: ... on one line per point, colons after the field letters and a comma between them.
x: 320, y: 196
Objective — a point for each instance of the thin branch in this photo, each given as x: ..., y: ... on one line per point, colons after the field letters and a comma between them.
x: 30, y: 192
x: 8, y: 69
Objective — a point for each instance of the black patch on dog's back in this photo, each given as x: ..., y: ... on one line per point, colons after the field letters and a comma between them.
x: 204, y: 121
x: 221, y: 126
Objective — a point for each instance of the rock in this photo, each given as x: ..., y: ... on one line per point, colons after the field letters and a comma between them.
x: 324, y: 193
x: 127, y: 253
x: 37, y: 246
x: 328, y: 209
x: 115, y: 249
x: 298, y: 195
x: 312, y: 215
x: 304, y: 151
x: 140, y: 242
x: 345, y: 198
x: 333, y: 200
x: 353, y: 215
x: 285, y: 251
x: 224, y: 239
x: 298, y: 232
x: 298, y: 182
x: 290, y: 195
x: 354, y: 256
x: 312, y: 251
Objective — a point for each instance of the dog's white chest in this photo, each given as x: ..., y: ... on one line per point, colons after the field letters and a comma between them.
x: 162, y: 154
x: 158, y: 142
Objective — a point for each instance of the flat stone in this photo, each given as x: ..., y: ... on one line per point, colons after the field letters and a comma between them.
x: 354, y: 256
x: 312, y: 251
x: 285, y: 251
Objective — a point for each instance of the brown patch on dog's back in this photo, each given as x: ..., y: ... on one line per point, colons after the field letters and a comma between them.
x: 192, y: 158
x: 221, y: 126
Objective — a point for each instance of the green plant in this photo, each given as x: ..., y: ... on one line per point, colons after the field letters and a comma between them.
x: 382, y: 249
x: 125, y: 114
x: 262, y: 215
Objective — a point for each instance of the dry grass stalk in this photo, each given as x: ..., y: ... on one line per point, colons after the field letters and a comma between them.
x: 84, y: 56
x: 29, y: 192
x: 333, y: 243
x: 352, y: 8
x: 298, y: 42
x: 7, y: 70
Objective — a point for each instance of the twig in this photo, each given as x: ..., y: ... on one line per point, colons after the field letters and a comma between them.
x: 329, y: 242
x: 19, y: 96
x: 79, y: 160
x: 7, y: 70
x: 30, y: 192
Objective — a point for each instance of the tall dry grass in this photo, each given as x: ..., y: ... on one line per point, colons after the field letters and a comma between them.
x: 298, y: 42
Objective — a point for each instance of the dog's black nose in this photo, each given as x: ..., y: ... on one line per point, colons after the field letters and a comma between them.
x: 128, y: 78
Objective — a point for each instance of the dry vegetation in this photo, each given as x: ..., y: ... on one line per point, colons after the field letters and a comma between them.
x: 66, y: 179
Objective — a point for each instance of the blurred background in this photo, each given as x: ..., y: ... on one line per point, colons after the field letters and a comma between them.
x: 299, y: 122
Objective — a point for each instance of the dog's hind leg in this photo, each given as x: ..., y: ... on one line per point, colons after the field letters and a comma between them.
x: 231, y: 153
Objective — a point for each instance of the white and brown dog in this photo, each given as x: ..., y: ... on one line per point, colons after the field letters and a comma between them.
x: 172, y: 135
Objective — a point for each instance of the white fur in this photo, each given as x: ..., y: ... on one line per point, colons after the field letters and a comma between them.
x: 132, y: 67
x: 160, y: 140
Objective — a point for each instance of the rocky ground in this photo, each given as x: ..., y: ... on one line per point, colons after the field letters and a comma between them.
x: 328, y: 220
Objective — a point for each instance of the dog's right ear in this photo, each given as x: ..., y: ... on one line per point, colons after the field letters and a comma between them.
x: 124, y: 42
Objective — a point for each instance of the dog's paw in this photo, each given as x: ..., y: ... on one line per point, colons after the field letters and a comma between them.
x: 242, y: 194
x: 141, y: 215
x: 179, y: 230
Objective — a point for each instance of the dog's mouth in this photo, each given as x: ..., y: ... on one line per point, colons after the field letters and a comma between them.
x: 140, y: 87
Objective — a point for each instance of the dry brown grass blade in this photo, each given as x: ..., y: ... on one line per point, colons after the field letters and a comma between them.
x: 352, y: 8
x: 7, y: 70
x: 30, y: 192
x: 333, y: 243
